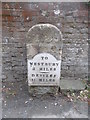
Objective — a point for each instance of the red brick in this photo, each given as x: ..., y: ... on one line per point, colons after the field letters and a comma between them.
x: 6, y: 12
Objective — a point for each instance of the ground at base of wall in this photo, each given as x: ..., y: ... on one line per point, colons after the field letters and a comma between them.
x: 17, y: 103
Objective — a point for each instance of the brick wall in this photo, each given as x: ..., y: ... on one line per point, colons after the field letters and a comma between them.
x: 70, y: 18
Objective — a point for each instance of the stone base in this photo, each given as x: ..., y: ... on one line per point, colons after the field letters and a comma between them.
x: 64, y: 85
x: 72, y: 84
x: 33, y: 90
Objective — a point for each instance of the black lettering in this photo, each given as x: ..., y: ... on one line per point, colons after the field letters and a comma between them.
x: 38, y: 63
x: 42, y: 64
x: 33, y: 80
x: 49, y: 64
x: 33, y: 75
x: 57, y: 64
x: 50, y: 80
x: 37, y: 75
x: 42, y: 58
x: 43, y: 80
x: 40, y: 75
x: 53, y: 64
x: 34, y: 63
x: 46, y: 75
x: 54, y: 69
x: 47, y: 69
x: 51, y: 75
x: 51, y: 69
x: 46, y: 58
x: 46, y: 64
x: 40, y: 80
x: 40, y: 69
x: 31, y: 63
x: 54, y: 75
